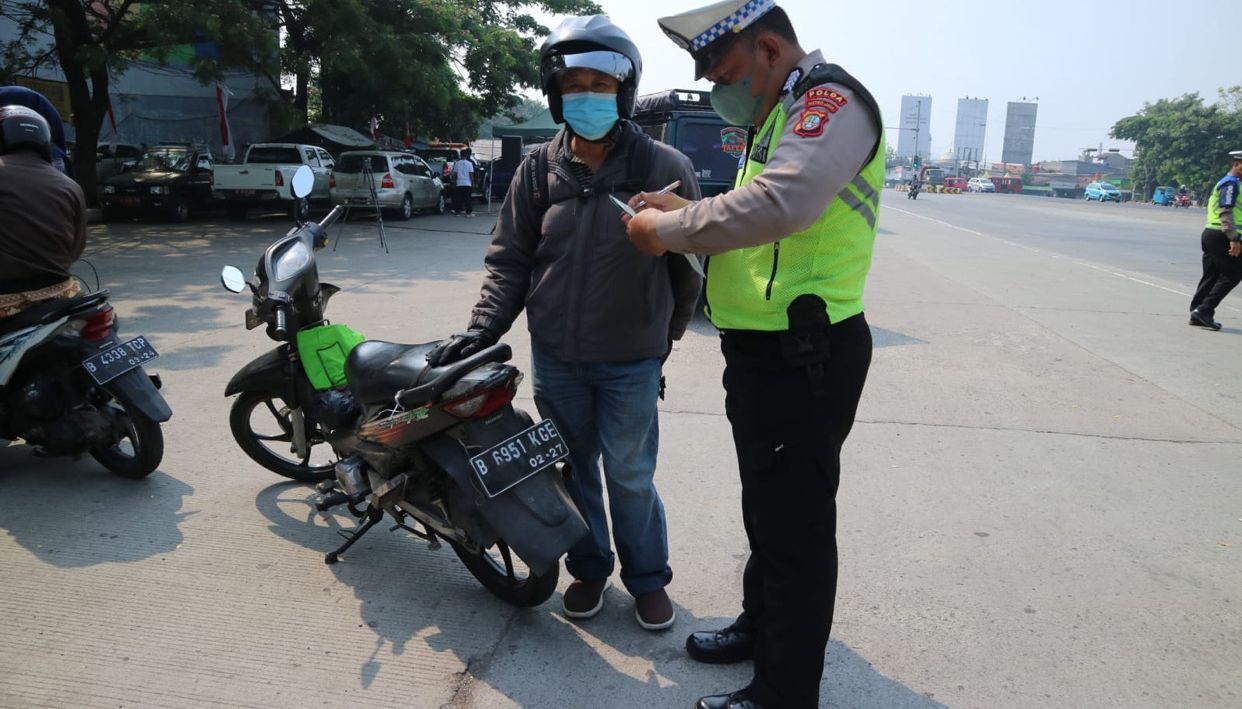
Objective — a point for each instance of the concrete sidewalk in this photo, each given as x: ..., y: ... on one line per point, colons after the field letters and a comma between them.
x: 1039, y: 506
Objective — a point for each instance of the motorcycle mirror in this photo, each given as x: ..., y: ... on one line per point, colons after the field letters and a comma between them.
x: 232, y: 279
x: 303, y: 182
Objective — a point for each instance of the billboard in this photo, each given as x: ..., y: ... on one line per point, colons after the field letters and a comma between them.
x: 915, y: 136
x: 1019, y: 144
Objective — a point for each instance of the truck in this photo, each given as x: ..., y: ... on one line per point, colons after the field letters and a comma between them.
x: 263, y: 179
x: 685, y: 119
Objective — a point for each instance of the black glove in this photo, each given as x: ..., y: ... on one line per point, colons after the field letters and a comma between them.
x: 460, y: 346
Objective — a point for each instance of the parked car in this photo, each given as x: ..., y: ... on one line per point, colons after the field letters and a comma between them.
x: 109, y: 162
x: 403, y: 182
x: 263, y: 179
x: 170, y: 179
x: 441, y: 156
x: 1102, y: 192
x: 980, y: 184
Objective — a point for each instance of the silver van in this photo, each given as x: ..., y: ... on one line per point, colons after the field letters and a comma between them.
x: 403, y: 182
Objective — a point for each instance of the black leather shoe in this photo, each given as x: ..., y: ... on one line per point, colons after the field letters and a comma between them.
x: 1199, y: 320
x: 737, y: 700
x: 721, y: 647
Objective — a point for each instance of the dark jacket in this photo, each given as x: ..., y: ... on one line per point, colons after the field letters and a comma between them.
x: 42, y: 223
x: 589, y: 295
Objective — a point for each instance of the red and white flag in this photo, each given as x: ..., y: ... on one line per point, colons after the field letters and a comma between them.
x: 374, y: 127
x: 226, y: 135
x: 409, y: 136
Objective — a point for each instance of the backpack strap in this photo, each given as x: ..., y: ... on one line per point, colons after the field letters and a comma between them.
x: 637, y: 174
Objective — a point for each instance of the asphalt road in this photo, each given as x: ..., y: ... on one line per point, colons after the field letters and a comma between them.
x: 1040, y: 504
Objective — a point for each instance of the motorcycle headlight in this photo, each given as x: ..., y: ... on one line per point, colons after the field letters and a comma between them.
x: 291, y: 261
x: 158, y: 189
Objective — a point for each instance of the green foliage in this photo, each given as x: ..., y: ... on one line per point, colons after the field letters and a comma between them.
x: 1184, y: 141
x: 443, y: 66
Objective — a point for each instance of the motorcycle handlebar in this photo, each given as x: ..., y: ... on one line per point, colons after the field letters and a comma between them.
x: 281, y: 328
x: 335, y: 214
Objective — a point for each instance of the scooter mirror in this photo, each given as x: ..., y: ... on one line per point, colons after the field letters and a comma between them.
x: 232, y: 279
x: 303, y: 182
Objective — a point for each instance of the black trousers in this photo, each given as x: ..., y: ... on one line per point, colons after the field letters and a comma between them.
x: 788, y: 444
x: 463, y: 201
x: 1221, y: 273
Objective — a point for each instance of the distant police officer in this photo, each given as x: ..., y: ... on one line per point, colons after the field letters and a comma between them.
x: 789, y: 253
x: 1222, y: 265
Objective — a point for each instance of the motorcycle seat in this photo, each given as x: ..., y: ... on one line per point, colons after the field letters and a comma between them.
x: 377, y: 370
x: 49, y: 310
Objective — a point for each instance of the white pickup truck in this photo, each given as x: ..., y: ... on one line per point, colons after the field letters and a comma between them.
x: 263, y: 179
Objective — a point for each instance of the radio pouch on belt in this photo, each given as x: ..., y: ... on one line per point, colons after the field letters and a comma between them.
x: 807, y: 341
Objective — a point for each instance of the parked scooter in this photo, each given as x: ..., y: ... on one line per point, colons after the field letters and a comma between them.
x: 69, y: 386
x: 438, y: 447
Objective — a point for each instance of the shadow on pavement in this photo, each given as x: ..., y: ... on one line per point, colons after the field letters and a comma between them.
x: 75, y: 513
x: 408, y: 594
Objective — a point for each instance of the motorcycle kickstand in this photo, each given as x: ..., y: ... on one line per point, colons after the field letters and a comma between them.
x: 373, y: 518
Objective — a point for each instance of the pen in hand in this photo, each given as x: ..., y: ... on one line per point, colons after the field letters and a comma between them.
x: 643, y: 203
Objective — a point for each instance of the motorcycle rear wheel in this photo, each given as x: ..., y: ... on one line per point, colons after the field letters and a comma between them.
x: 252, y: 442
x: 140, y: 449
x: 503, y: 574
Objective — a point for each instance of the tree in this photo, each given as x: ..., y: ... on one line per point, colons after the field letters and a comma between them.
x: 440, y: 65
x: 1183, y: 140
x: 94, y: 40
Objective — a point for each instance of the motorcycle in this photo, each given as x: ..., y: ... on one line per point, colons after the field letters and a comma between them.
x: 442, y: 448
x: 69, y: 386
x: 1182, y: 200
x: 914, y: 191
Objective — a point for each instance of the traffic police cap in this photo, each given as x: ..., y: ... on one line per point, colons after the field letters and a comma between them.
x: 1235, y: 154
x: 708, y: 32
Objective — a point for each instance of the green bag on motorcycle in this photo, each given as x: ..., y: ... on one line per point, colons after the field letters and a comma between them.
x: 323, y: 351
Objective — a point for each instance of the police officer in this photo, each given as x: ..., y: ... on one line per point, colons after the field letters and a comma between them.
x: 789, y: 251
x: 1222, y: 267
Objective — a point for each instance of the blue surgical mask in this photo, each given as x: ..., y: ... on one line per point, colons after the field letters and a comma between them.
x: 590, y: 115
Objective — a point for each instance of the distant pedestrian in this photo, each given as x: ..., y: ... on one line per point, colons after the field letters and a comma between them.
x: 463, y: 184
x: 1222, y: 267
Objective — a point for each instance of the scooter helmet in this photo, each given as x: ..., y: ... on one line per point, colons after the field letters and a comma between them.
x: 590, y: 42
x: 24, y: 129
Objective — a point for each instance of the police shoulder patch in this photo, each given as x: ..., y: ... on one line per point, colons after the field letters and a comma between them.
x: 811, y: 123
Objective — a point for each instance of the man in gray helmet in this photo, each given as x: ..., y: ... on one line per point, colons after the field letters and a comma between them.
x: 602, y: 316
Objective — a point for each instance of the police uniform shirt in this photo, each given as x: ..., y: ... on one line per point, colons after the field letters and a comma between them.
x: 813, y: 161
x: 1228, y: 195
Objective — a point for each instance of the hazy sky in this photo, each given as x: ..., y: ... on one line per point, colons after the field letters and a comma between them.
x: 1090, y: 62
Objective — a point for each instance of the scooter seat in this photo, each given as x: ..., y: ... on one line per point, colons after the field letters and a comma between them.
x: 49, y: 310
x: 377, y: 370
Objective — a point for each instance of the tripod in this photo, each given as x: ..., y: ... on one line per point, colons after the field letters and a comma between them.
x: 368, y: 177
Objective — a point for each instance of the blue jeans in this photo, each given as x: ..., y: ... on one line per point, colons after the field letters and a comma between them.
x: 608, y: 410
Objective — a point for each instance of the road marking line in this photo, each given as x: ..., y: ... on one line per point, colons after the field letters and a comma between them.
x: 1049, y: 254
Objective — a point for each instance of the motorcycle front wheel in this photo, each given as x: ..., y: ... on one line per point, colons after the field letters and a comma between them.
x: 506, y: 577
x: 140, y: 449
x: 262, y: 425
